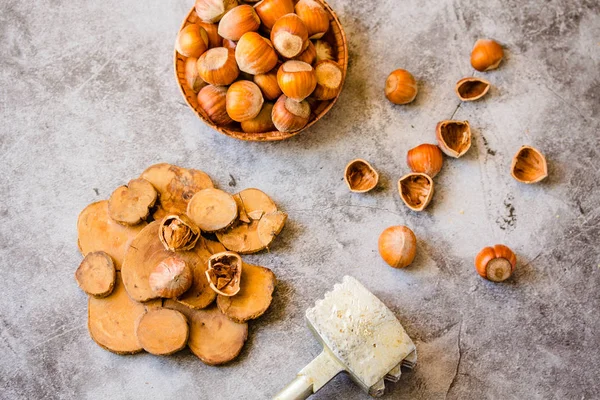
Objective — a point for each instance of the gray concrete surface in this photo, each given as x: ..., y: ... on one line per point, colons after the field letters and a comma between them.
x: 88, y: 100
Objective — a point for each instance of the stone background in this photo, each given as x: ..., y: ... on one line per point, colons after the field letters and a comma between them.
x: 88, y: 100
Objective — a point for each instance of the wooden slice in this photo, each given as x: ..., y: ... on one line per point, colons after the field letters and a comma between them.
x: 131, y: 204
x: 112, y: 320
x: 254, y: 297
x: 98, y: 232
x: 175, y: 185
x: 214, y: 338
x: 96, y: 274
x: 162, y: 331
x: 212, y: 210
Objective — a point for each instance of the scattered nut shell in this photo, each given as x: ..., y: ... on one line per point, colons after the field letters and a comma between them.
x: 360, y: 176
x: 471, y: 88
x: 425, y: 158
x: 496, y: 263
x: 398, y: 246
x: 224, y: 273
x: 529, y: 165
x: 486, y: 55
x: 416, y: 190
x: 171, y: 277
x: 453, y: 137
x: 178, y: 233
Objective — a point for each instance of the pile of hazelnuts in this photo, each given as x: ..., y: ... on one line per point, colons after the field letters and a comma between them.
x: 258, y: 64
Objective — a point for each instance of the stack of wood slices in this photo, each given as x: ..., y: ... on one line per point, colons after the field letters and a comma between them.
x: 162, y: 267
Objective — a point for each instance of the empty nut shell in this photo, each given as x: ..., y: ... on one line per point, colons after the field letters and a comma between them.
x: 314, y: 16
x: 244, y: 101
x: 453, y: 137
x: 471, y: 88
x: 486, y: 55
x: 416, y: 190
x: 360, y: 176
x: 529, y: 165
x: 218, y: 66
x: 224, y: 273
x: 425, y: 158
x: 289, y: 115
x: 398, y: 246
x: 254, y: 54
x: 178, y: 233
x: 238, y: 21
x: 496, y: 263
x: 289, y: 36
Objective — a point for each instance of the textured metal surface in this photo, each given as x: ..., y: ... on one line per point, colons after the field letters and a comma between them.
x: 88, y: 101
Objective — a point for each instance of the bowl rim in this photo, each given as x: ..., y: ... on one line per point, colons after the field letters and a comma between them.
x: 273, y: 135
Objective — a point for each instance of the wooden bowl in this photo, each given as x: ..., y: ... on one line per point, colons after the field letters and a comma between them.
x: 335, y: 36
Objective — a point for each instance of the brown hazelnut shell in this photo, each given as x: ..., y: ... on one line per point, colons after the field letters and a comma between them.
x: 416, y: 190
x: 397, y: 246
x: 486, y: 55
x: 529, y: 165
x: 360, y: 176
x: 226, y: 280
x: 453, y: 137
x: 496, y: 263
x: 471, y: 88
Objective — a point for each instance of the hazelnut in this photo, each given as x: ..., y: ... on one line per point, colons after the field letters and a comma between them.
x: 309, y: 55
x: 329, y: 80
x: 416, y: 190
x: 486, y: 55
x: 213, y: 10
x: 238, y: 21
x: 218, y: 66
x: 224, y: 273
x: 268, y: 84
x: 212, y: 30
x: 496, y: 263
x: 360, y: 176
x: 192, y: 41
x: 289, y: 115
x: 425, y: 158
x: 471, y: 88
x: 191, y: 75
x: 229, y: 44
x: 529, y: 165
x: 296, y: 79
x: 263, y: 122
x: 401, y: 87
x: 270, y: 11
x: 314, y: 16
x: 453, y: 137
x: 324, y: 50
x: 171, y: 277
x: 212, y: 99
x: 244, y: 101
x: 398, y: 246
x: 254, y: 54
x: 289, y: 36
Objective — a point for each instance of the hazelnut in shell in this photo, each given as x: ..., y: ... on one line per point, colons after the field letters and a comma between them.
x: 289, y: 115
x: 496, y: 263
x: 416, y: 190
x: 486, y: 55
x: 425, y: 158
x: 398, y: 246
x: 289, y: 36
x: 268, y: 84
x: 296, y: 79
x: 360, y: 176
x: 309, y: 55
x: 471, y: 88
x: 212, y: 30
x: 238, y: 21
x: 244, y: 101
x: 314, y: 16
x: 529, y: 165
x: 229, y: 44
x: 191, y: 75
x: 263, y: 122
x: 270, y: 11
x: 212, y: 99
x: 213, y: 10
x: 171, y: 278
x: 192, y: 41
x: 453, y: 137
x: 254, y: 54
x: 218, y: 66
x: 401, y: 87
x: 329, y: 80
